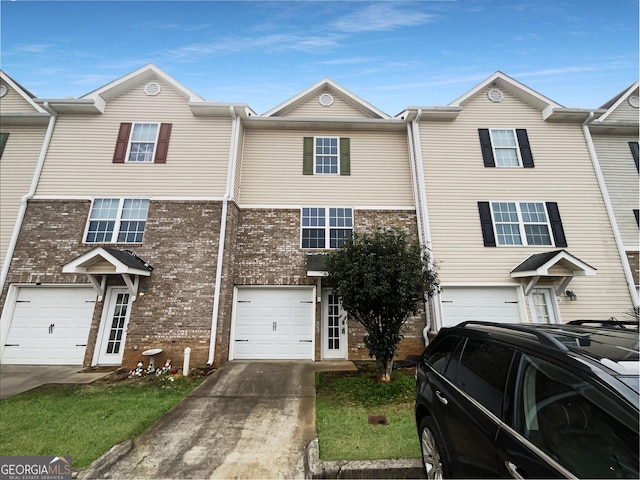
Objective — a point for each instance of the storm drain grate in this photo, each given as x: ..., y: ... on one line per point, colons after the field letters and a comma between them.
x: 378, y: 420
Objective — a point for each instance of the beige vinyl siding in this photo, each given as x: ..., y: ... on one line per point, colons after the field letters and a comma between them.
x: 272, y: 171
x: 339, y: 109
x: 79, y: 160
x: 456, y: 180
x: 621, y: 178
x: 17, y: 167
x: 624, y: 113
x: 13, y: 102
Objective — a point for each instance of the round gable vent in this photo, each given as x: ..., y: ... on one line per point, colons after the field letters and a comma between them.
x: 152, y: 89
x: 634, y: 101
x: 495, y: 95
x: 326, y: 100
x: 3, y: 90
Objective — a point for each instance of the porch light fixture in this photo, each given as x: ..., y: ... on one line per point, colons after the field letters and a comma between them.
x: 571, y: 294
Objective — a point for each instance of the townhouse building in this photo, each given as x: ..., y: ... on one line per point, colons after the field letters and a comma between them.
x: 153, y: 219
x: 613, y: 139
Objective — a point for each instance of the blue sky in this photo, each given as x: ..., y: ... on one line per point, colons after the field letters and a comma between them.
x: 392, y: 53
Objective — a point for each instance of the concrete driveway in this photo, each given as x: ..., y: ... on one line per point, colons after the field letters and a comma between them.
x: 247, y: 420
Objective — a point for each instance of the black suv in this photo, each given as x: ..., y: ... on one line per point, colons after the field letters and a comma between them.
x: 529, y: 401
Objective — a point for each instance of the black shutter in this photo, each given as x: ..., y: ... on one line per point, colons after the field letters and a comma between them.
x: 307, y: 156
x: 122, y: 143
x: 163, y: 143
x: 636, y: 153
x: 486, y: 224
x: 485, y: 145
x: 636, y: 212
x: 3, y: 141
x: 556, y: 224
x: 525, y: 148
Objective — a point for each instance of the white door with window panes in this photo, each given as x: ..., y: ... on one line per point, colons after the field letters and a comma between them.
x: 113, y: 328
x: 334, y: 327
x: 542, y: 302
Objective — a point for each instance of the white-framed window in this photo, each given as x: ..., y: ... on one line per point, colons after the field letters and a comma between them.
x: 117, y: 220
x: 505, y: 147
x: 326, y: 227
x: 521, y: 223
x: 326, y: 155
x: 142, y: 144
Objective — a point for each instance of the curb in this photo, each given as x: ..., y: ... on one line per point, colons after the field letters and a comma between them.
x: 397, y: 468
x: 103, y: 463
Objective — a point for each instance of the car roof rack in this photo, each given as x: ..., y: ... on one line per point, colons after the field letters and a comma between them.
x: 613, y: 322
x: 543, y: 337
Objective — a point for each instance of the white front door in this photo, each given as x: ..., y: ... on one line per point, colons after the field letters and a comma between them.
x: 113, y: 328
x: 334, y: 327
x: 542, y: 304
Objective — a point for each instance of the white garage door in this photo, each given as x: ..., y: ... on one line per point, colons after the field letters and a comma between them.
x: 274, y: 323
x: 50, y: 326
x: 487, y: 304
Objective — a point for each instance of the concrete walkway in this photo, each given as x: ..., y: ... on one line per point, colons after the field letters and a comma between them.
x: 15, y: 379
x: 247, y: 420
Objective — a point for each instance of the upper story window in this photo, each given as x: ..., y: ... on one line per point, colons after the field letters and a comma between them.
x: 326, y: 156
x: 117, y: 220
x: 326, y: 227
x: 521, y: 223
x: 505, y: 147
x: 142, y: 143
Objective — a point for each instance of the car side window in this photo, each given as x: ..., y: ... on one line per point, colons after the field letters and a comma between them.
x: 584, y: 429
x: 482, y: 372
x: 441, y: 352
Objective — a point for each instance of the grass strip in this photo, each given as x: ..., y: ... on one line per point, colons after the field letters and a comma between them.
x: 343, y: 405
x: 85, y: 420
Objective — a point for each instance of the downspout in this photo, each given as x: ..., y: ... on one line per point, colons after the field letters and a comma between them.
x: 223, y: 231
x: 612, y: 218
x: 425, y: 228
x: 32, y: 190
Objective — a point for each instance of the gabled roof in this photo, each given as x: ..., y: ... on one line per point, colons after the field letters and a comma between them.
x: 94, y: 102
x: 37, y: 116
x: 540, y: 264
x: 551, y: 111
x: 326, y: 85
x: 615, y: 102
x: 107, y: 260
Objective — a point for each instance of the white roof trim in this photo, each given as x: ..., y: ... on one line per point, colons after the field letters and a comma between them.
x: 317, y: 88
x: 578, y: 267
x: 145, y: 73
x: 82, y: 263
x: 622, y: 97
x: 7, y: 79
x: 503, y: 80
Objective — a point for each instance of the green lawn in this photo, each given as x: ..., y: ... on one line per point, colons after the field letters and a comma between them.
x: 84, y: 421
x: 344, y: 402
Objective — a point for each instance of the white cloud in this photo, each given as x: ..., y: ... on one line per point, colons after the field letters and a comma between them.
x: 381, y: 17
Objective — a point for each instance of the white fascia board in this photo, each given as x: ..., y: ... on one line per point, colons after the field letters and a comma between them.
x: 627, y: 93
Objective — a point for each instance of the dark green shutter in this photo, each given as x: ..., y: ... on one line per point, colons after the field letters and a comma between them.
x: 556, y: 224
x: 485, y: 145
x: 3, y: 141
x: 345, y: 156
x: 525, y: 148
x: 486, y: 224
x: 307, y: 156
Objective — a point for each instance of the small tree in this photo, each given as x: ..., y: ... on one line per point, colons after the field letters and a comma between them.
x: 381, y: 279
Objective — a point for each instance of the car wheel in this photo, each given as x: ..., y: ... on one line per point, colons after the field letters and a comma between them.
x: 433, y: 452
